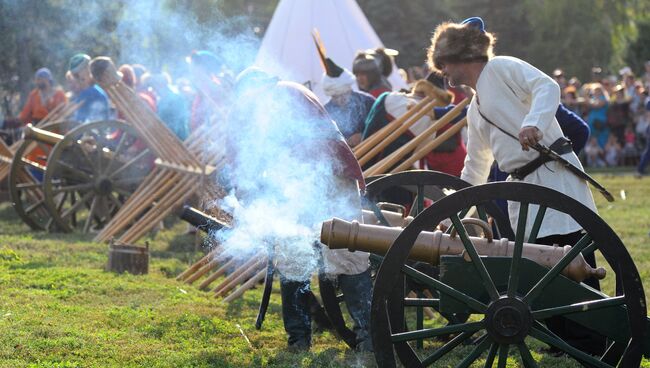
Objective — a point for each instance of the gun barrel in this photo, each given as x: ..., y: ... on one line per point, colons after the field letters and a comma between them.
x: 429, y: 246
x: 41, y: 135
x: 201, y: 220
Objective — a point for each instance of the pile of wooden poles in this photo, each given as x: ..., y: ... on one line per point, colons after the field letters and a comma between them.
x: 57, y: 115
x: 182, y: 168
x: 240, y: 275
x: 418, y: 147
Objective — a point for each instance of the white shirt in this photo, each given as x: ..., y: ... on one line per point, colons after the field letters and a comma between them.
x: 513, y: 94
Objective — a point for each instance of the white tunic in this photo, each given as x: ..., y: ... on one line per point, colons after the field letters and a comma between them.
x: 513, y: 94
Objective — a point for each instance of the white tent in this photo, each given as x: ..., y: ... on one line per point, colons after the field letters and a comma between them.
x: 288, y: 49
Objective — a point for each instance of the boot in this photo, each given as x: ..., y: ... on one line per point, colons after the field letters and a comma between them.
x: 295, y: 313
x: 357, y: 293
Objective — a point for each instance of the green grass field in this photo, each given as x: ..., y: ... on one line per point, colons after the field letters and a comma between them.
x: 59, y: 308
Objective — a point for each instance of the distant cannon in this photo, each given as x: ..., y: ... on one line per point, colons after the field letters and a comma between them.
x: 505, y: 297
x: 82, y: 178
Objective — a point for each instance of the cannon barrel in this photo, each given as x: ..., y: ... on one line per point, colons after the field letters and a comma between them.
x: 201, y: 220
x: 429, y: 246
x: 41, y: 135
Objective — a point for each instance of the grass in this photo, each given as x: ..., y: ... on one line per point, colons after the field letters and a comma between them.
x: 59, y: 308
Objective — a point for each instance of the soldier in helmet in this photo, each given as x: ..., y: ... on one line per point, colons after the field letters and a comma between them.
x: 367, y: 69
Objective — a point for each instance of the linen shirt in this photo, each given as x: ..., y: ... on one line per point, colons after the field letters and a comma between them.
x: 513, y: 94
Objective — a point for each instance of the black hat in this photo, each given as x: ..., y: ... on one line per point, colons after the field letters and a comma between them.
x: 332, y: 69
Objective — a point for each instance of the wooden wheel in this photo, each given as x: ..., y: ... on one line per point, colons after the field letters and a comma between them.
x: 511, y: 299
x: 25, y: 182
x: 416, y: 187
x: 92, y: 172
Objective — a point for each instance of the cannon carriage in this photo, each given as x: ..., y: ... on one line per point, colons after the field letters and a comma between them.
x: 497, y: 301
x: 80, y: 179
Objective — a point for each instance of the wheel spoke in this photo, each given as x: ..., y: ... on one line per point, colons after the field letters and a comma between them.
x: 115, y: 201
x: 446, y: 348
x: 128, y: 164
x: 560, y: 344
x: 555, y: 270
x: 116, y: 153
x: 70, y: 188
x: 489, y: 360
x: 526, y: 357
x: 444, y: 289
x: 128, y: 180
x: 23, y: 186
x: 474, y: 354
x: 91, y: 212
x: 537, y: 224
x: 503, y: 356
x: 579, y: 307
x: 422, y: 302
x: 434, y: 332
x: 513, y: 280
x: 74, y: 172
x: 476, y: 259
x: 420, y: 198
x: 34, y: 206
x: 77, y: 205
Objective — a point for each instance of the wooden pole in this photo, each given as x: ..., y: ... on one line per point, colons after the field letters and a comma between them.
x: 245, y: 286
x: 236, y: 273
x: 430, y: 146
x: 384, y: 165
x: 200, y: 263
x: 397, y: 133
x: 367, y: 144
x: 245, y: 275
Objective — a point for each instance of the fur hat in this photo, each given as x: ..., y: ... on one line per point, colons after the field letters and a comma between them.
x: 460, y: 43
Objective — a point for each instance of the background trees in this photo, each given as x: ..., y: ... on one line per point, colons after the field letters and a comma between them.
x: 571, y: 34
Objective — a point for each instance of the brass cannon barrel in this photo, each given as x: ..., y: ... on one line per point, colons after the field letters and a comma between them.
x: 42, y: 135
x: 429, y: 246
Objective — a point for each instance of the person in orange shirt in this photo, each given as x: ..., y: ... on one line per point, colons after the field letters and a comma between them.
x: 42, y: 99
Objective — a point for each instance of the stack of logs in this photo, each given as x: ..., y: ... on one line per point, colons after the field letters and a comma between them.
x: 182, y: 168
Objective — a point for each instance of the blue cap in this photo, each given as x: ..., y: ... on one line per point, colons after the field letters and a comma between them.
x: 44, y: 73
x: 475, y: 22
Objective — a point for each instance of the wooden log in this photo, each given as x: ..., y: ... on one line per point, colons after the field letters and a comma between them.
x: 249, y: 284
x: 242, y: 277
x: 200, y: 263
x: 370, y: 142
x: 385, y: 164
x: 396, y: 133
x: 430, y: 146
x: 236, y: 273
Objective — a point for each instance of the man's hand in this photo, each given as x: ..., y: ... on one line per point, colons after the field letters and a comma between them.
x: 529, y: 136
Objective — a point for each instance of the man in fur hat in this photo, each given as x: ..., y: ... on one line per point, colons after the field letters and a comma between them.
x: 348, y: 108
x: 513, y: 96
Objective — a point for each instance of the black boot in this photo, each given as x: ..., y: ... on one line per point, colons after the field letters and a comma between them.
x: 357, y: 293
x: 295, y: 313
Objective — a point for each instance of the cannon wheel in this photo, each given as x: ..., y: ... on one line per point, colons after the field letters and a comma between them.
x: 389, y: 302
x: 421, y: 184
x: 25, y: 188
x: 92, y: 172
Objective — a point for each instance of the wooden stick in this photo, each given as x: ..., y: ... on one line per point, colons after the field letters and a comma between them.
x: 385, y: 164
x: 200, y: 263
x: 426, y: 310
x: 374, y: 139
x: 236, y: 273
x: 215, y: 275
x: 245, y: 275
x: 245, y: 286
x: 430, y: 146
x: 397, y: 133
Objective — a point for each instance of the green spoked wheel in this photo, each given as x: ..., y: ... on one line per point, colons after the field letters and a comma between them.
x: 414, y: 189
x: 511, y: 299
x: 25, y: 181
x: 92, y: 172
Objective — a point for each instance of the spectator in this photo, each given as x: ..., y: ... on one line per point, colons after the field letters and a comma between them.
x: 597, y: 116
x: 612, y: 151
x: 205, y: 69
x: 630, y: 152
x: 367, y: 70
x: 594, y: 153
x: 645, y: 158
x: 94, y: 103
x: 172, y: 108
x: 618, y: 114
x: 42, y: 99
x: 646, y: 75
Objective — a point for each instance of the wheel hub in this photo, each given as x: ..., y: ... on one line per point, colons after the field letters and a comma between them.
x: 508, y: 320
x: 103, y: 186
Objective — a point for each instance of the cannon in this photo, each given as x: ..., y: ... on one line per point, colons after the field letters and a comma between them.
x: 508, y: 294
x: 83, y: 177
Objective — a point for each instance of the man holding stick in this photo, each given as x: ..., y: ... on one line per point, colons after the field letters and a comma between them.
x: 513, y: 111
